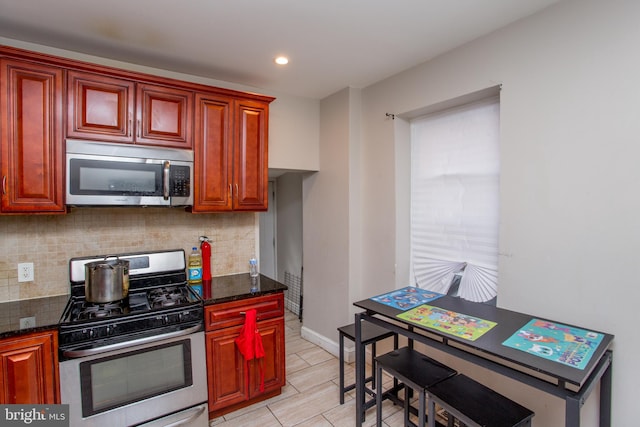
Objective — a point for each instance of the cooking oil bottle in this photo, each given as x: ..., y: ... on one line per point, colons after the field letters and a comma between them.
x: 195, y: 270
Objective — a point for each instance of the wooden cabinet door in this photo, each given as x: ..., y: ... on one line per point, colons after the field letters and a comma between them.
x: 100, y: 107
x: 225, y: 369
x: 32, y: 152
x: 273, y: 363
x: 251, y: 156
x: 213, y: 154
x: 30, y: 369
x: 164, y: 116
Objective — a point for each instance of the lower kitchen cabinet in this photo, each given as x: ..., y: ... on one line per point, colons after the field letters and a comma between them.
x: 30, y: 369
x: 231, y: 386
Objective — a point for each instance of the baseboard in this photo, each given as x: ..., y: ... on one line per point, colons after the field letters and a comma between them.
x: 330, y: 345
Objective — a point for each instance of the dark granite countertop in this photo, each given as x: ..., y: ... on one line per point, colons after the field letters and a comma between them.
x: 47, y: 312
x: 238, y: 286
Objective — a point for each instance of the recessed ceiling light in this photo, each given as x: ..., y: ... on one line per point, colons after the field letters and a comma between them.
x: 281, y: 60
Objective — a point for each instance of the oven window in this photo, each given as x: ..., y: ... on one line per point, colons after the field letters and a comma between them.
x: 125, y: 378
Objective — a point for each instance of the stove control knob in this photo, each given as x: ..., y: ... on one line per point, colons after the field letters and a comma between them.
x: 88, y: 332
x: 165, y: 319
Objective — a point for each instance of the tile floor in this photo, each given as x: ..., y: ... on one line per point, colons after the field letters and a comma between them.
x: 311, y: 396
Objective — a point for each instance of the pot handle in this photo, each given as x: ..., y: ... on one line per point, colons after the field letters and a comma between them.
x: 111, y: 256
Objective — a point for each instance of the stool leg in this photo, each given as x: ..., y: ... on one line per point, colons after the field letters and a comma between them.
x: 373, y: 364
x: 422, y: 410
x: 407, y: 397
x: 341, y: 347
x: 395, y: 380
x: 432, y: 413
x: 378, y: 375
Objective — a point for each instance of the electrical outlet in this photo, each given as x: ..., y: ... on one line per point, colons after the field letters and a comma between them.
x: 28, y: 322
x: 25, y: 272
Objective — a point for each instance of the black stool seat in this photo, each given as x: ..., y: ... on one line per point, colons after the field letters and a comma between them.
x: 414, y: 370
x: 370, y: 334
x: 476, y: 405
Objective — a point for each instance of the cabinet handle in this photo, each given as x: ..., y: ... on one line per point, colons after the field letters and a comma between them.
x: 4, y: 184
x: 130, y: 126
x: 237, y: 193
x: 138, y: 128
x: 230, y: 192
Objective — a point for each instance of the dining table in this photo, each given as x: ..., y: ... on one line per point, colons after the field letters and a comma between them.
x: 505, y: 344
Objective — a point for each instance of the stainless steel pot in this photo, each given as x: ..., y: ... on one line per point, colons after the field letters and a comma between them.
x: 106, y: 281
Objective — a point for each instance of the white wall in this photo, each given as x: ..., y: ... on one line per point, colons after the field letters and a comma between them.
x: 289, y: 224
x: 569, y: 233
x: 326, y: 220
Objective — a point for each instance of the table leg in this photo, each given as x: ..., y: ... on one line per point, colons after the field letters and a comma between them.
x: 572, y: 412
x: 605, y: 398
x: 360, y: 372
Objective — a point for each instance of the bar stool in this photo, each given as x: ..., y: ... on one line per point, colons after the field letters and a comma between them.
x: 475, y: 405
x: 415, y: 370
x: 370, y: 335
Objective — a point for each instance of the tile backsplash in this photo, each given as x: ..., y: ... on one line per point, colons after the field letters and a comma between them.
x: 49, y: 241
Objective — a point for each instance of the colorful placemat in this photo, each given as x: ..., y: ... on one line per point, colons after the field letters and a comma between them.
x: 406, y: 298
x: 553, y: 341
x: 456, y: 324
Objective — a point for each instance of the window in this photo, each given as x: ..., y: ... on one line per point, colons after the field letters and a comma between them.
x: 455, y: 171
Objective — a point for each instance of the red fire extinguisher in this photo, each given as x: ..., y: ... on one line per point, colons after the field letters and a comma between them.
x: 205, y: 250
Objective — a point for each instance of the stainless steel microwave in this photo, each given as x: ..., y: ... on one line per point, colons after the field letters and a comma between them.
x: 105, y: 174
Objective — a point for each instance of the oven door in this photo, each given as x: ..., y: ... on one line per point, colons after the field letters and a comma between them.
x: 138, y: 385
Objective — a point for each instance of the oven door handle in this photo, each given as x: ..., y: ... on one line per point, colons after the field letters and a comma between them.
x: 74, y: 354
x: 187, y: 421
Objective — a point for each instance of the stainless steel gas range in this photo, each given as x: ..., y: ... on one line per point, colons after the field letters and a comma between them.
x: 138, y: 361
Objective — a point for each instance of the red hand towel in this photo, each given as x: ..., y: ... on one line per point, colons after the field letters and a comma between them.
x: 249, y: 344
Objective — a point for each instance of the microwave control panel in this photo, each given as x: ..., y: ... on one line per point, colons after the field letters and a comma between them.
x: 180, y: 181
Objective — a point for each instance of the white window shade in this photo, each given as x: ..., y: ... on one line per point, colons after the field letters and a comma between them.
x: 455, y: 171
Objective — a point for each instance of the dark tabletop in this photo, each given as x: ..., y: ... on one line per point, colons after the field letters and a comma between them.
x: 508, y: 322
x: 239, y: 286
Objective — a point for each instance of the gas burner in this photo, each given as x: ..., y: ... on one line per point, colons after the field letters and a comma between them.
x: 98, y: 311
x: 166, y: 297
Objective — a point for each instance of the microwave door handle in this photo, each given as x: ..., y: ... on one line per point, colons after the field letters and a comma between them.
x: 165, y: 179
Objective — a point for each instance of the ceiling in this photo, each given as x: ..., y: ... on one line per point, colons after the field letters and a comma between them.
x: 332, y: 44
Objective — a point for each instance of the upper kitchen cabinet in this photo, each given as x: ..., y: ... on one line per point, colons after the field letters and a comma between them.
x: 32, y: 153
x: 251, y: 167
x: 230, y: 153
x: 119, y: 110
x: 164, y: 116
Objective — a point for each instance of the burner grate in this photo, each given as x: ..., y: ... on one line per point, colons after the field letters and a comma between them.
x: 166, y: 297
x: 99, y: 311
